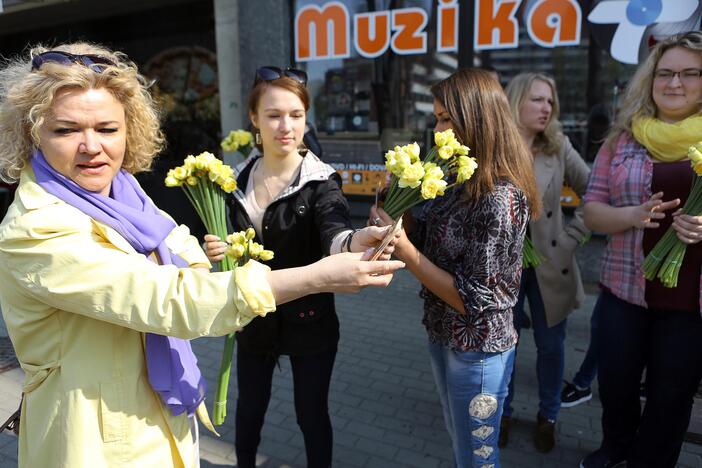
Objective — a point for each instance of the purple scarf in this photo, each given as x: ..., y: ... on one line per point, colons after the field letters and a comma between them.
x: 171, y: 363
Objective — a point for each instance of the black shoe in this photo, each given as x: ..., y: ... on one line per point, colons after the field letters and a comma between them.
x: 544, y: 434
x: 600, y: 459
x: 572, y: 396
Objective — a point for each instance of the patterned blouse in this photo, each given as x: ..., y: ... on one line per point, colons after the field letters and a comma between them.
x: 480, y: 244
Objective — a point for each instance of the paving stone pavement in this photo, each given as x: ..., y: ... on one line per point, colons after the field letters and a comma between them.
x: 385, y: 411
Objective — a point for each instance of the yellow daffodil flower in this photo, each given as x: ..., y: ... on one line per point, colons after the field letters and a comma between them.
x: 266, y: 255
x: 443, y: 138
x: 445, y: 152
x: 466, y: 168
x: 432, y: 187
x: 412, y: 175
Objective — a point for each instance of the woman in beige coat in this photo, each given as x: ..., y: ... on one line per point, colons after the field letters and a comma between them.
x: 554, y: 288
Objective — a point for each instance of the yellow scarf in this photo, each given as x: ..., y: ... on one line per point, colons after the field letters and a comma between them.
x: 667, y: 142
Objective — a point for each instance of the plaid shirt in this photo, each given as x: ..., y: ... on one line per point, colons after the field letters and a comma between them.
x: 619, y: 179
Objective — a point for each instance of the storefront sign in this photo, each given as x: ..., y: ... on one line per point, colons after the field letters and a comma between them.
x: 328, y: 31
x: 324, y: 32
x: 633, y: 18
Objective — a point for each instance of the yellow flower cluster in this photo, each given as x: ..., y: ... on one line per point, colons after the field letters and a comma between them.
x: 466, y: 168
x: 433, y: 183
x: 403, y: 161
x: 203, y: 165
x: 241, y: 245
x: 695, y: 155
x: 449, y: 145
x: 237, y: 139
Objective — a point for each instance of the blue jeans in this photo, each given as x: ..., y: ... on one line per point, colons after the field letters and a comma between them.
x: 472, y: 387
x: 550, y: 353
x: 588, y: 368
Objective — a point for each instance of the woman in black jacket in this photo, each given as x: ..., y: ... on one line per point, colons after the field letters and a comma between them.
x: 294, y: 202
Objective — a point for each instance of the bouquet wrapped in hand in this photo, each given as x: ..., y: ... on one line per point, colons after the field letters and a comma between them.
x: 666, y: 257
x: 414, y: 180
x: 206, y: 180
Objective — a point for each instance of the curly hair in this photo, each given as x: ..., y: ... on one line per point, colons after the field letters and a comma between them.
x: 27, y: 97
x: 550, y: 140
x: 638, y: 97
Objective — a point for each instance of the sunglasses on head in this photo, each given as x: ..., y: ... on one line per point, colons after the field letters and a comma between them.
x: 97, y: 63
x: 273, y: 73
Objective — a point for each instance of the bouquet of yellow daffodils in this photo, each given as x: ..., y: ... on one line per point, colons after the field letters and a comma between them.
x: 205, y: 181
x: 238, y: 140
x: 414, y: 180
x: 666, y: 257
x: 240, y: 249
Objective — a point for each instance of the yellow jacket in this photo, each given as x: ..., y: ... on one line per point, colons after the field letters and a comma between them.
x: 77, y: 300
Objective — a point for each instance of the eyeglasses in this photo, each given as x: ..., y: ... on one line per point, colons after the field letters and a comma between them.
x: 273, y: 73
x: 688, y: 75
x: 97, y: 63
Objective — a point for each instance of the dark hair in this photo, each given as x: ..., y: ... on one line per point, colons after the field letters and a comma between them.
x: 283, y: 82
x: 482, y: 120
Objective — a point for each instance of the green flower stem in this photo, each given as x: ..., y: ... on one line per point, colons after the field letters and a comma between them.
x: 219, y: 412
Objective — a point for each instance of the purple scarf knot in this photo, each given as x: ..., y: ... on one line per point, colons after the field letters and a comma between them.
x: 171, y: 363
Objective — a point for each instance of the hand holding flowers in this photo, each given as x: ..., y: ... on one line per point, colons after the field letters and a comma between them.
x: 414, y: 180
x: 666, y: 257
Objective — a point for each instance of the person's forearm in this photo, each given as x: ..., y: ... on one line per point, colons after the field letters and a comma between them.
x: 293, y: 283
x: 437, y: 280
x: 601, y: 217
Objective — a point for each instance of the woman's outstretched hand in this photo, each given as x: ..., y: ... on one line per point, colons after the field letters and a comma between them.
x: 344, y: 272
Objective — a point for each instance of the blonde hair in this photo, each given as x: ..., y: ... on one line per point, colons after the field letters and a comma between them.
x: 638, y: 97
x: 550, y: 140
x: 481, y: 119
x: 27, y: 96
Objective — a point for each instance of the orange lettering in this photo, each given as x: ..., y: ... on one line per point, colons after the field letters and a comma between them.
x: 408, y: 26
x: 495, y: 25
x: 372, y: 36
x: 447, y: 27
x: 553, y: 23
x: 330, y: 20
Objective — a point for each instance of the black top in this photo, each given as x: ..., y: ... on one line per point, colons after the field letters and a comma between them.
x: 674, y: 180
x: 298, y: 226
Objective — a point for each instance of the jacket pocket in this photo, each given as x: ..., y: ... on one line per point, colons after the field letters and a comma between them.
x: 112, y: 416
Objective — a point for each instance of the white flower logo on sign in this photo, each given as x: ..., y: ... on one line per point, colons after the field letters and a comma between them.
x: 633, y: 17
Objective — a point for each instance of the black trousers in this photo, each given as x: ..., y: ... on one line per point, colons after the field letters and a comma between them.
x: 669, y: 345
x: 311, y: 378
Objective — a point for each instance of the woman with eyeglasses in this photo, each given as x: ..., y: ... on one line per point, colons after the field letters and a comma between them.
x: 100, y: 290
x: 640, y: 175
x: 295, y: 204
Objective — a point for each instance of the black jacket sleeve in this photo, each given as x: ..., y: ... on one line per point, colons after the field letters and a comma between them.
x: 331, y: 211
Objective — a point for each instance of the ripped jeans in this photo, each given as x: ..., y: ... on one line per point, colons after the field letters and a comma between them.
x: 472, y: 388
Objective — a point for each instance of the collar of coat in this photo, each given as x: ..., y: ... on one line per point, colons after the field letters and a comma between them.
x: 312, y: 169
